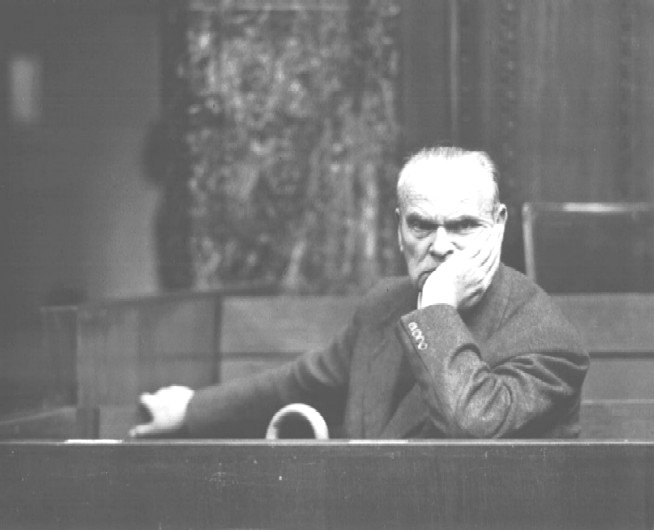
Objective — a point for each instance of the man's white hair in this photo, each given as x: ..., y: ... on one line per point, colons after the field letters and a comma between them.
x: 428, y: 156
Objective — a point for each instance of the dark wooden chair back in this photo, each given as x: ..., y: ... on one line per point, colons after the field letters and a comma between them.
x: 590, y: 247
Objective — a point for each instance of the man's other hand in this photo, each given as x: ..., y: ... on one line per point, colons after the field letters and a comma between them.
x: 167, y: 408
x: 462, y: 279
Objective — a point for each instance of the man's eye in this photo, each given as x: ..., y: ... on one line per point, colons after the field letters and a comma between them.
x: 418, y: 226
x: 463, y: 227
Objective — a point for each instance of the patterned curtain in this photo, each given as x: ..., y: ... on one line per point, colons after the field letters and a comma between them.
x: 278, y: 147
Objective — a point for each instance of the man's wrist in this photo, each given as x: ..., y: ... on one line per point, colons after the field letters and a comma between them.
x: 436, y: 299
x: 185, y: 430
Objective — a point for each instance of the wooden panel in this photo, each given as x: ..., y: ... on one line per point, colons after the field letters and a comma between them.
x: 612, y: 323
x: 328, y: 485
x: 57, y: 424
x: 618, y: 331
x: 115, y: 421
x: 171, y: 326
x: 621, y: 376
x: 107, y: 362
x: 59, y: 326
x: 284, y: 324
x: 178, y: 343
x: 618, y: 419
x: 131, y: 347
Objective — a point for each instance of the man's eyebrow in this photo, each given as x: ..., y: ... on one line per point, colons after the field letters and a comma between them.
x: 463, y: 218
x: 415, y: 216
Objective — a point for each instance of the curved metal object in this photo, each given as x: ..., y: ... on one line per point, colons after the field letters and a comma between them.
x: 297, y: 410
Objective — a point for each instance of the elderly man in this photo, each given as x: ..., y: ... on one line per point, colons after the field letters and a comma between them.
x: 463, y: 347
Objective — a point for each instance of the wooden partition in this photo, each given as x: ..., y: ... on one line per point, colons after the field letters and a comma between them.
x: 501, y: 485
x: 134, y: 346
x: 61, y: 423
x: 120, y: 349
x: 259, y: 333
x: 618, y: 330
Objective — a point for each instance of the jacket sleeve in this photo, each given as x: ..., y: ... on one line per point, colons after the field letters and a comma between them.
x: 243, y: 407
x: 538, y: 380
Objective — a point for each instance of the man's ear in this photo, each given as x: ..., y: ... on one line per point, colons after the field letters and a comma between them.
x: 399, y: 233
x: 502, y: 214
x: 501, y: 218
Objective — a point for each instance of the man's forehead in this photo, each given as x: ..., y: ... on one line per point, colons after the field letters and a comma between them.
x: 448, y: 184
x: 440, y: 210
x: 449, y: 172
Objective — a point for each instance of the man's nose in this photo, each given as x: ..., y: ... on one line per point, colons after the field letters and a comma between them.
x: 441, y: 243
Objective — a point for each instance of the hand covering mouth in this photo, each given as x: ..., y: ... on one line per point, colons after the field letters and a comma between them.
x: 422, y: 277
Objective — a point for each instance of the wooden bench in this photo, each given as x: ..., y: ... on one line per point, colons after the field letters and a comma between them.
x: 107, y: 353
x: 247, y: 484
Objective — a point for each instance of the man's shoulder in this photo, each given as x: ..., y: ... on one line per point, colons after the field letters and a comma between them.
x: 521, y: 286
x: 530, y: 302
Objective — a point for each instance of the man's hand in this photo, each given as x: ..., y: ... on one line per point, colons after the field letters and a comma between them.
x: 167, y: 406
x: 462, y: 279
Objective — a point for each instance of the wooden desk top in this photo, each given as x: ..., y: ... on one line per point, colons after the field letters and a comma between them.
x: 293, y: 484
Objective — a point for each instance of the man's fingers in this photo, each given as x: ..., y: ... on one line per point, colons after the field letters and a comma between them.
x: 478, y: 248
x: 492, y: 246
x: 144, y: 429
x: 492, y: 262
x: 493, y: 250
x: 147, y: 401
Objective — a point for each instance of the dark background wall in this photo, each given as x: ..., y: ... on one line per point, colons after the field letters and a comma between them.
x: 76, y: 211
x: 76, y: 207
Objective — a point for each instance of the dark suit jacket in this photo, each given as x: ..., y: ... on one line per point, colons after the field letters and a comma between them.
x: 512, y: 366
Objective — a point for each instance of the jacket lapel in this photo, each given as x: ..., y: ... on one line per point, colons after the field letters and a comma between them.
x: 383, y: 370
